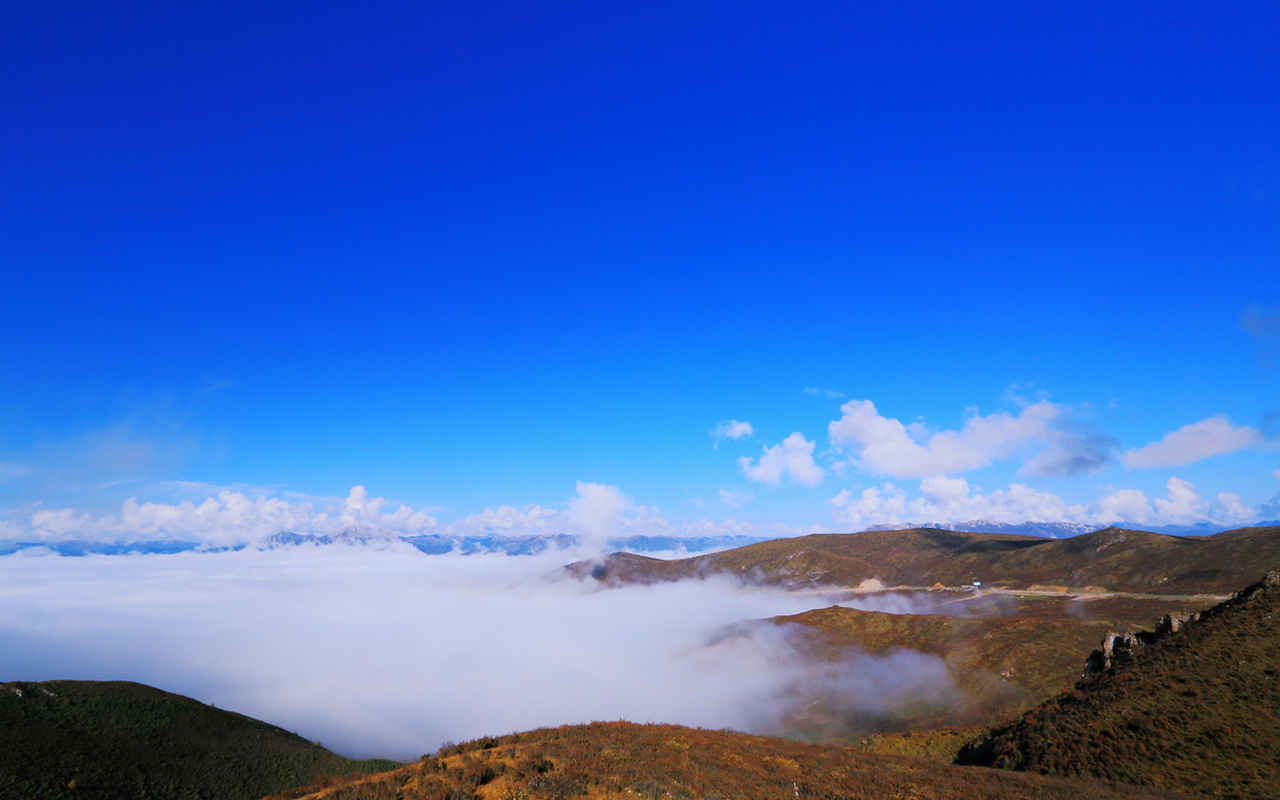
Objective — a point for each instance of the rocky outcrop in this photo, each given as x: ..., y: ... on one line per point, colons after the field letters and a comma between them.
x: 1119, y: 648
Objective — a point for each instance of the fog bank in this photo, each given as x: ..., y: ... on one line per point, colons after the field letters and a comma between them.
x: 387, y: 653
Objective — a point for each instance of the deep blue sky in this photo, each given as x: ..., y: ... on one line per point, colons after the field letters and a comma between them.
x: 470, y: 256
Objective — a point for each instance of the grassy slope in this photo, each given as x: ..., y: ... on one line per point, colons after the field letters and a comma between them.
x: 1022, y: 652
x: 1000, y: 664
x: 1198, y: 710
x: 624, y: 760
x: 1119, y: 560
x: 1026, y: 650
x: 126, y: 740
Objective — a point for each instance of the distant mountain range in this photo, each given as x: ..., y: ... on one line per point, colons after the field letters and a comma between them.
x: 431, y: 544
x: 492, y: 543
x: 1065, y: 530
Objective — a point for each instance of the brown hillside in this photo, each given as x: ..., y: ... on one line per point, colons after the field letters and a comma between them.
x: 624, y: 760
x: 1000, y: 665
x: 1113, y: 558
x: 1027, y: 649
x: 1198, y: 709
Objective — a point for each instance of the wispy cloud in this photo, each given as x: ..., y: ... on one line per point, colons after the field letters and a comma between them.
x: 731, y: 429
x: 817, y: 391
x: 1190, y: 443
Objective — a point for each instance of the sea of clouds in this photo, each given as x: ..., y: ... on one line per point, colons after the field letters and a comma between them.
x: 382, y: 652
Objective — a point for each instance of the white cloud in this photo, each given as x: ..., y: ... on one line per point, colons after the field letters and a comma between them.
x: 793, y: 457
x: 1125, y: 505
x: 60, y: 522
x: 594, y: 513
x: 949, y: 500
x: 884, y: 445
x: 439, y: 640
x: 875, y: 505
x: 734, y: 498
x: 731, y: 429
x: 510, y: 521
x: 1182, y: 505
x: 361, y: 510
x: 943, y: 500
x: 1229, y: 508
x: 230, y: 517
x: 1190, y: 443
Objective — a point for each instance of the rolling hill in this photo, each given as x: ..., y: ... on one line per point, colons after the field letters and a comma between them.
x: 1197, y: 709
x: 116, y: 740
x: 625, y: 760
x: 1115, y: 559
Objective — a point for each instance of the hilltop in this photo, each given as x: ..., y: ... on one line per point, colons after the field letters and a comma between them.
x: 1195, y: 707
x: 625, y: 760
x: 1112, y: 559
x: 111, y: 739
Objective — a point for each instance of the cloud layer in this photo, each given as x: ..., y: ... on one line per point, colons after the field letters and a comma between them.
x: 385, y: 653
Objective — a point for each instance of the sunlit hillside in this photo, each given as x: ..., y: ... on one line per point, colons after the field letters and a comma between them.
x: 1112, y: 559
x: 1197, y: 710
x: 623, y: 760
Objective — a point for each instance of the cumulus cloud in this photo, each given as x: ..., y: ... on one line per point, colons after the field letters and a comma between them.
x: 531, y: 520
x: 731, y: 429
x: 230, y: 517
x: 946, y: 501
x: 1181, y: 505
x: 595, y: 514
x: 1190, y: 443
x: 595, y: 511
x: 450, y: 647
x: 886, y: 446
x: 792, y: 458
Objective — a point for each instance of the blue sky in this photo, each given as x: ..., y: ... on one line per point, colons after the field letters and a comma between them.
x: 468, y: 259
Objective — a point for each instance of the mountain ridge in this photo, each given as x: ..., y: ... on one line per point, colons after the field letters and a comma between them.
x: 1110, y: 559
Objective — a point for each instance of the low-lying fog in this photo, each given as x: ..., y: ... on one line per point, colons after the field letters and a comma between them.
x: 389, y: 653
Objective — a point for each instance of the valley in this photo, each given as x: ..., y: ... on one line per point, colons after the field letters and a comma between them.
x: 889, y: 675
